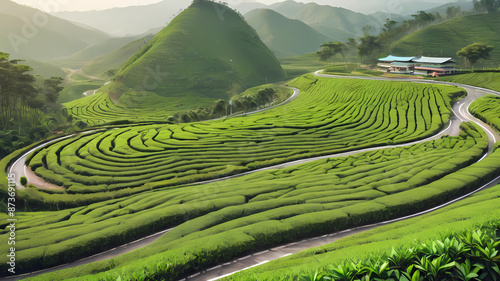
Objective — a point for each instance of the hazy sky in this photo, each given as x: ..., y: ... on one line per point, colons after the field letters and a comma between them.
x: 86, y: 5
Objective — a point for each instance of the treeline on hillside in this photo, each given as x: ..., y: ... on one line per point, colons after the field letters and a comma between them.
x: 221, y: 108
x: 369, y: 47
x: 28, y: 105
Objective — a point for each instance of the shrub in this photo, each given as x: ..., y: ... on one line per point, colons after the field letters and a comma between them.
x: 24, y: 181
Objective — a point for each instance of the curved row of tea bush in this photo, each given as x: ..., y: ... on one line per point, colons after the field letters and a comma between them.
x: 459, y: 232
x: 267, y: 208
x: 141, y: 107
x: 329, y: 117
x: 488, y: 110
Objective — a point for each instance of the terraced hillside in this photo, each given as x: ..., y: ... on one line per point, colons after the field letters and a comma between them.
x: 105, y: 202
x: 134, y: 107
x: 266, y: 208
x: 330, y: 116
x: 488, y: 110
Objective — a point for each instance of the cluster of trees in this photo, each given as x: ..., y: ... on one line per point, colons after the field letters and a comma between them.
x: 222, y: 108
x: 369, y: 46
x: 28, y: 105
x: 475, y: 52
x: 486, y: 6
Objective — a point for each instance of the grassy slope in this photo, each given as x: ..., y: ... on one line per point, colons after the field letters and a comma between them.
x: 206, y: 51
x: 58, y: 38
x: 45, y: 69
x: 300, y: 65
x: 447, y: 38
x: 284, y: 36
x: 115, y: 59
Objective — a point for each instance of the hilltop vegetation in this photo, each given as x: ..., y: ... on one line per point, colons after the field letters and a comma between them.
x: 208, y: 51
x: 447, y: 38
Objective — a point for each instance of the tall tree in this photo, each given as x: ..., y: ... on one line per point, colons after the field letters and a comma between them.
x: 491, y: 6
x: 52, y: 88
x: 368, y: 49
x: 453, y: 11
x: 388, y: 34
x: 331, y: 49
x: 16, y: 91
x: 475, y: 52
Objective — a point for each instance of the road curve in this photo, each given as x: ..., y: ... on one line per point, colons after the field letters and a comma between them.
x: 275, y: 253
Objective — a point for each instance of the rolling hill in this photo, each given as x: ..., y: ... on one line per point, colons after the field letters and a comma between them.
x: 30, y: 33
x: 447, y: 38
x: 208, y: 51
x: 284, y: 36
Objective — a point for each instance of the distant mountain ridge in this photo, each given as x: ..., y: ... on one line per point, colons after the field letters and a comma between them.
x: 285, y: 37
x: 128, y: 21
x: 30, y: 33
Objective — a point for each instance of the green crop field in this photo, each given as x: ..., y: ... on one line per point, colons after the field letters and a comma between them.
x: 330, y: 116
x: 142, y: 107
x: 300, y: 65
x: 134, y: 107
x: 126, y: 183
x: 479, y: 211
x: 267, y: 208
x: 488, y: 110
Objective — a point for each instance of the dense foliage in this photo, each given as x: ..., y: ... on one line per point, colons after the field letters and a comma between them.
x: 28, y: 107
x: 471, y: 256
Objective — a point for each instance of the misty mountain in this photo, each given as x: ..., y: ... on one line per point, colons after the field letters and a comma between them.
x: 285, y: 37
x: 132, y: 20
x: 30, y: 33
x: 334, y: 22
x: 464, y: 5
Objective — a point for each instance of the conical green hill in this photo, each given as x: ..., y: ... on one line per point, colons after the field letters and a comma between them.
x: 207, y: 51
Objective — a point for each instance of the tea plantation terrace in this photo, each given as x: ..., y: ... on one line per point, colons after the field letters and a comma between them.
x: 311, y: 199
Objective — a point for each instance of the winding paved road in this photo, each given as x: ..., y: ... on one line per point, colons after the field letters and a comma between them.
x: 461, y: 114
